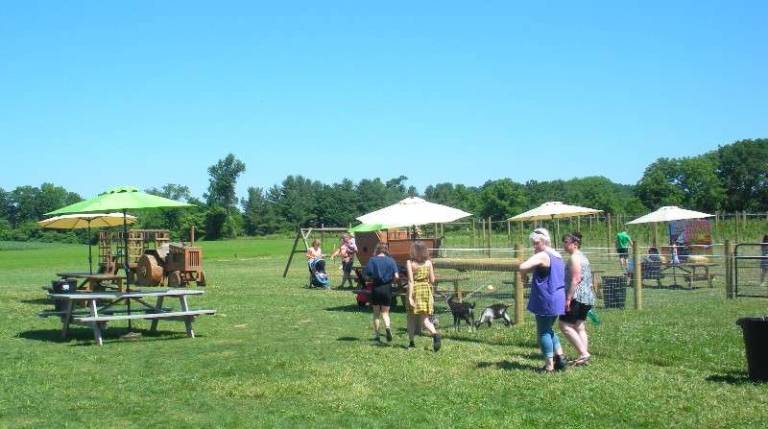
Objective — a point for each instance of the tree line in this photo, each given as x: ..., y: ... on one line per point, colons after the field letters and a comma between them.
x: 732, y: 178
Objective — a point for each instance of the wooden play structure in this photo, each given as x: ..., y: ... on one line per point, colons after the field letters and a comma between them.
x: 399, y: 242
x: 111, y: 247
x: 152, y: 259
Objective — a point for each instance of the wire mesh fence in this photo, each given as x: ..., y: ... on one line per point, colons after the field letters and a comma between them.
x: 751, y: 270
x: 486, y: 276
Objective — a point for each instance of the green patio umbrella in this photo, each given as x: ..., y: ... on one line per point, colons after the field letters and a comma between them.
x: 368, y: 227
x: 121, y: 198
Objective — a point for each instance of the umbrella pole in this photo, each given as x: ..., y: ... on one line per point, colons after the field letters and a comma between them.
x: 90, y: 254
x: 125, y: 265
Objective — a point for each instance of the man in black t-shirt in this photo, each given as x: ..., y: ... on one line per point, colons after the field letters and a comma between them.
x: 382, y: 270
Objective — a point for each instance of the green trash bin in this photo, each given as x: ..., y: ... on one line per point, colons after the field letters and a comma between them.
x: 755, y: 331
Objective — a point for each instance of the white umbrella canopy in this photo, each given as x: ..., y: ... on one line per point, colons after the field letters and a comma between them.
x: 413, y: 211
x: 553, y: 210
x: 669, y: 214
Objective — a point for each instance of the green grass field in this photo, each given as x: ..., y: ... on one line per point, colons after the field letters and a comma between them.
x: 280, y: 355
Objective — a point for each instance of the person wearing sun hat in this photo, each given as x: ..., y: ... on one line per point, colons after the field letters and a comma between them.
x: 547, y: 300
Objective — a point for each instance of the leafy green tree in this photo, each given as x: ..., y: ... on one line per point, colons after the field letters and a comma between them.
x: 223, y: 219
x: 259, y: 214
x: 657, y: 187
x: 502, y: 198
x: 221, y: 187
x: 701, y: 187
x: 743, y: 170
x: 170, y: 219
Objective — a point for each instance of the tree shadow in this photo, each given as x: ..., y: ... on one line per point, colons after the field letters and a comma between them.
x: 84, y: 336
x: 508, y: 366
x: 735, y: 378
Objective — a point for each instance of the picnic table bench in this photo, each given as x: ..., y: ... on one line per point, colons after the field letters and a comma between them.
x: 101, y: 309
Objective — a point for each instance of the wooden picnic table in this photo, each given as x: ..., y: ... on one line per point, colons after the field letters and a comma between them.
x: 91, y: 281
x: 692, y: 271
x: 101, y: 309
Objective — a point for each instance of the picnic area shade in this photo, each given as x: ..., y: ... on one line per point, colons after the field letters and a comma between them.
x: 669, y: 214
x: 553, y: 210
x: 121, y: 198
x: 86, y: 220
x: 413, y: 211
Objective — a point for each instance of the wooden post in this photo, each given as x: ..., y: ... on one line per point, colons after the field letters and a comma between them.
x: 728, y: 269
x: 519, y: 288
x: 637, y: 276
x: 481, y: 244
x: 192, y: 235
x: 655, y: 235
x: 509, y: 232
x: 473, y: 233
x: 490, y: 231
x: 608, y: 230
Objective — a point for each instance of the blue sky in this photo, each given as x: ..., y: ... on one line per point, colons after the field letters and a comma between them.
x: 95, y: 94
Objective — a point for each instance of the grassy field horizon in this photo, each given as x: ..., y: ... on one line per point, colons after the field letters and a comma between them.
x: 280, y: 355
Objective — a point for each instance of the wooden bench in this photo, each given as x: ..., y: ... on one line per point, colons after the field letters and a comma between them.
x: 690, y: 278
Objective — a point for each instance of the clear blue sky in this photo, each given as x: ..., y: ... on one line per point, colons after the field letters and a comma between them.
x: 95, y: 94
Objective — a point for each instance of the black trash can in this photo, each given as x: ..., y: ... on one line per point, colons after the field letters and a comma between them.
x: 63, y: 286
x: 614, y: 291
x: 756, y: 345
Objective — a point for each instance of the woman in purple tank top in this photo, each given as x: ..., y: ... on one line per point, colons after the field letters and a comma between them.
x: 547, y: 300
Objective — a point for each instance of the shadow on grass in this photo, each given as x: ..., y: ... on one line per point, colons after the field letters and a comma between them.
x: 459, y: 337
x: 508, y: 366
x: 84, y: 336
x: 347, y: 339
x: 354, y: 308
x: 731, y: 377
x: 37, y: 301
x: 351, y: 308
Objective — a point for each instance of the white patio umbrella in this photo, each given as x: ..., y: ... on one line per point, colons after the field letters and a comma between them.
x: 411, y: 212
x: 669, y: 214
x: 553, y: 210
x: 86, y: 220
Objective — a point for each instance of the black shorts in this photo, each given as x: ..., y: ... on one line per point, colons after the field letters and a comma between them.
x: 578, y: 313
x: 382, y: 295
x: 347, y: 266
x: 623, y: 253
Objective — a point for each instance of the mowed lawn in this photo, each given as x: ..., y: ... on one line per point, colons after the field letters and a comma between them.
x: 280, y: 355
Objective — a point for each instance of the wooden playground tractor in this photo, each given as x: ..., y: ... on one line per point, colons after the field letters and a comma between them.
x: 176, y: 265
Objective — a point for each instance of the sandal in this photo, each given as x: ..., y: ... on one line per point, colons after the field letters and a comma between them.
x: 581, y: 361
